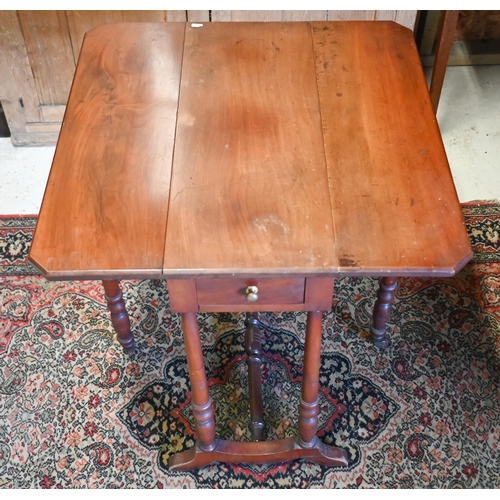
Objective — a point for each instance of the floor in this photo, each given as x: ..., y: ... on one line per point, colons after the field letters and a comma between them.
x: 468, y: 116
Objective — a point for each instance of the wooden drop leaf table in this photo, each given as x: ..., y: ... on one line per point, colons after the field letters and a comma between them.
x: 249, y: 164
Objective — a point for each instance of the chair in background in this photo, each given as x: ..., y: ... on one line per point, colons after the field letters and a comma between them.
x: 444, y: 35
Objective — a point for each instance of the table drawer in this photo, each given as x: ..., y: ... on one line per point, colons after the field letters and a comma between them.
x: 230, y: 294
x: 235, y: 292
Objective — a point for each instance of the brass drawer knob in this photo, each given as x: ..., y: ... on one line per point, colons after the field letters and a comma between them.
x: 252, y: 293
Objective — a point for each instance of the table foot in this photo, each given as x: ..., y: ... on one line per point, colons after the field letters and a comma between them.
x: 261, y: 452
x: 378, y: 337
x: 382, y: 311
x: 119, y: 315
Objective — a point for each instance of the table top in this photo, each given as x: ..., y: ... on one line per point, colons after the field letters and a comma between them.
x: 221, y: 149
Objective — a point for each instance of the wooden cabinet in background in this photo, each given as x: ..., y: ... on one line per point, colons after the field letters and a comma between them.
x: 39, y: 51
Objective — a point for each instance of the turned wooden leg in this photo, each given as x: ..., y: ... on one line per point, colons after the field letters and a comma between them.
x: 201, y: 401
x: 382, y: 310
x: 119, y: 315
x: 253, y: 347
x: 309, y: 404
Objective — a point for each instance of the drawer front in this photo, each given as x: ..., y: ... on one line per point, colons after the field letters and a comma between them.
x: 233, y: 291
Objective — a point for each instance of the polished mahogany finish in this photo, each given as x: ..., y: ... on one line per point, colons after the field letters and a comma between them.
x: 249, y: 164
x: 317, y: 138
x: 253, y: 86
x: 105, y: 206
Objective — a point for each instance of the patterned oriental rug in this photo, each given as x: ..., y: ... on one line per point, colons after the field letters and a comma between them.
x: 76, y: 412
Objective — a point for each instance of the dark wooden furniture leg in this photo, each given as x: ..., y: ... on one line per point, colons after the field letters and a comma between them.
x: 446, y: 30
x: 253, y: 348
x: 119, y: 315
x: 306, y: 445
x: 382, y: 310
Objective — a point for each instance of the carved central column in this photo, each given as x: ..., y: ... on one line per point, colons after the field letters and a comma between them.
x: 253, y: 347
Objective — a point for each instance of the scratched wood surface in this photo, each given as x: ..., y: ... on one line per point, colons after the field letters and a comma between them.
x: 300, y: 149
x: 393, y: 199
x: 249, y: 186
x: 106, y: 201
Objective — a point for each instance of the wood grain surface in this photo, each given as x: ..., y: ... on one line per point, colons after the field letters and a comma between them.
x: 394, y: 203
x: 106, y: 201
x: 249, y: 186
x: 301, y: 149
